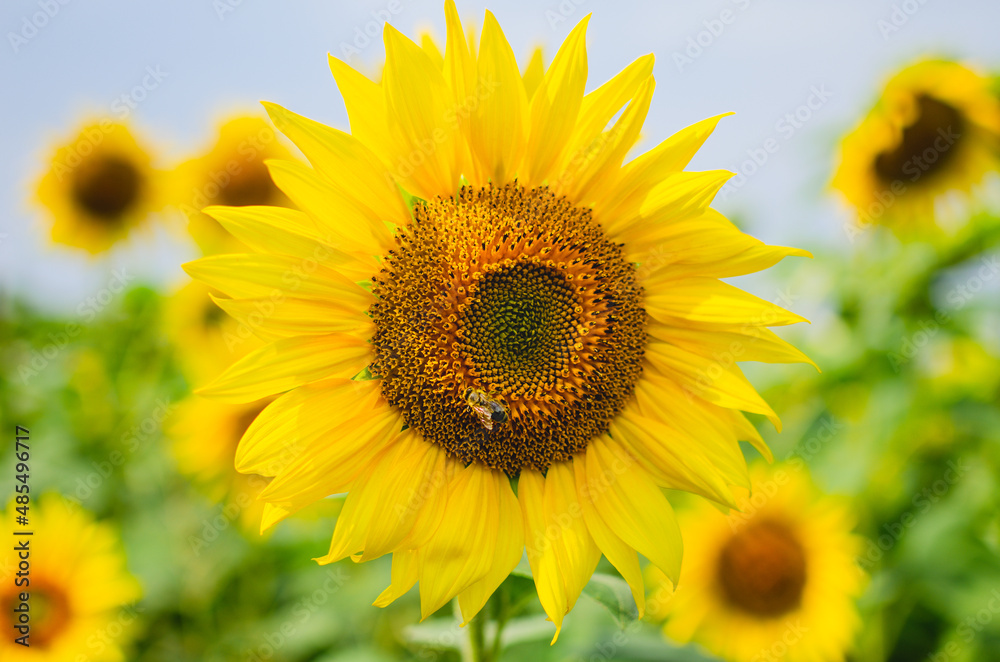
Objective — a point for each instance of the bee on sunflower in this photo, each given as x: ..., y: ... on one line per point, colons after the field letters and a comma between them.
x: 100, y: 186
x: 79, y: 593
x: 934, y: 133
x: 776, y: 581
x: 232, y: 173
x: 515, y: 303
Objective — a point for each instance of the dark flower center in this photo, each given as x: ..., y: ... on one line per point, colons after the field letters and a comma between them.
x: 252, y: 185
x: 106, y: 187
x: 926, y: 146
x: 762, y: 569
x: 49, y: 611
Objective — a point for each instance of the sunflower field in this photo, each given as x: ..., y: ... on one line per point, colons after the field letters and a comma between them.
x: 361, y: 332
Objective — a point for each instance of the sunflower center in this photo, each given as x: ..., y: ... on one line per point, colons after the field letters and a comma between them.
x: 519, y: 326
x: 106, y: 186
x: 762, y: 569
x: 509, y: 329
x: 926, y: 145
x: 252, y: 185
x: 49, y: 611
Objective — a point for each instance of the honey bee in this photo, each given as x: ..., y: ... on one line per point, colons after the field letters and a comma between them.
x: 488, y: 410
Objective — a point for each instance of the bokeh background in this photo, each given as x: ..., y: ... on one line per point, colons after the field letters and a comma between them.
x: 873, y: 427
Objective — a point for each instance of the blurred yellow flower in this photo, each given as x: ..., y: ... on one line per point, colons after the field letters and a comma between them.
x: 99, y: 187
x: 501, y: 320
x: 232, y: 173
x: 935, y: 130
x: 80, y: 590
x: 204, y: 436
x: 205, y: 339
x: 777, y: 581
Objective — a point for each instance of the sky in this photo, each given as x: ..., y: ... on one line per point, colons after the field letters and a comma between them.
x: 796, y: 74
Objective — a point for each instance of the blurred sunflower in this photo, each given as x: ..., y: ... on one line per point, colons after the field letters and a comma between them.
x: 501, y: 318
x: 206, y: 340
x: 777, y: 581
x: 99, y: 187
x: 203, y: 437
x: 77, y: 590
x: 935, y: 130
x: 232, y: 173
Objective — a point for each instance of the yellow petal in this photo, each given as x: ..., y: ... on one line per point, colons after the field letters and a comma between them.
x: 500, y: 107
x: 707, y: 379
x: 433, y: 507
x: 595, y: 170
x: 534, y: 72
x: 708, y: 245
x: 555, y: 106
x: 346, y: 163
x: 601, y: 105
x: 460, y: 75
x: 672, y: 458
x: 705, y: 301
x: 276, y: 277
x: 461, y: 551
x: 508, y: 552
x: 717, y: 437
x: 366, y: 111
x: 576, y: 553
x: 271, y: 320
x: 747, y: 343
x: 292, y: 425
x: 354, y: 229
x: 291, y: 232
x: 420, y: 121
x: 288, y: 363
x: 428, y: 46
x: 385, y: 500
x: 332, y: 470
x: 678, y: 196
x: 404, y: 576
x: 632, y: 505
x: 541, y: 553
x: 646, y: 171
x: 618, y: 553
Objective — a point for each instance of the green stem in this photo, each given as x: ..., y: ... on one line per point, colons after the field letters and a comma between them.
x: 500, y: 606
x: 477, y: 637
x: 503, y: 614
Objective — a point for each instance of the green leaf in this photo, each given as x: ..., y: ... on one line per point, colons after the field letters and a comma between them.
x: 614, y: 594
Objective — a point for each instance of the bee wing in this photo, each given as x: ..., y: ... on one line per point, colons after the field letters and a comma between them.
x: 484, y: 416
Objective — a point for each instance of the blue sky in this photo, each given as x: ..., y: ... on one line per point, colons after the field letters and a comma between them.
x: 764, y: 59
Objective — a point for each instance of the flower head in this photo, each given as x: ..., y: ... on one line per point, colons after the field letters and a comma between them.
x: 76, y: 590
x: 100, y: 186
x: 475, y: 288
x: 934, y: 131
x: 775, y: 581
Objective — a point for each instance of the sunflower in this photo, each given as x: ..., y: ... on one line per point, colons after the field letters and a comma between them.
x: 934, y: 131
x: 79, y: 592
x: 777, y: 581
x: 233, y: 173
x: 474, y: 289
x: 206, y: 340
x: 99, y: 187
